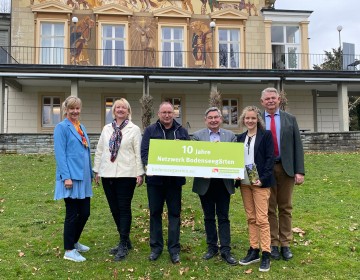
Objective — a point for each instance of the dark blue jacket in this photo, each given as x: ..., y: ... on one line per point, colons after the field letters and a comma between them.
x: 156, y: 131
x: 263, y: 156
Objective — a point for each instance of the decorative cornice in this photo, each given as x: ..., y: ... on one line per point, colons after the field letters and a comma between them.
x: 51, y: 7
x: 172, y: 12
x: 229, y: 13
x: 113, y: 9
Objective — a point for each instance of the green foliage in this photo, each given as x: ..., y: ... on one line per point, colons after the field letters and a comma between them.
x: 326, y: 208
x: 332, y: 61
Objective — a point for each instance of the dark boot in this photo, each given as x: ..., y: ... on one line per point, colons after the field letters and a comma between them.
x: 251, y: 257
x: 122, y: 252
x: 265, y: 262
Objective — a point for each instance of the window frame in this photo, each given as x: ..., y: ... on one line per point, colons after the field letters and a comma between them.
x: 65, y: 37
x: 126, y: 40
x: 230, y: 98
x: 228, y: 43
x: 184, y: 44
x: 41, y: 96
x: 284, y: 58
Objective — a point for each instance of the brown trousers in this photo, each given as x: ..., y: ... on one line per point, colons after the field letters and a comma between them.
x: 280, y: 208
x: 256, y: 204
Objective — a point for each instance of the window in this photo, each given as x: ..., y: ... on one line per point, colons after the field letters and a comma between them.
x: 113, y: 45
x: 285, y: 47
x: 229, y: 48
x: 51, y: 113
x: 52, y: 43
x: 5, y: 6
x: 4, y: 47
x: 230, y: 111
x: 172, y: 46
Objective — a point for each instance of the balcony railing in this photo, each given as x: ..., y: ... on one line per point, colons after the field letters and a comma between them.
x: 185, y: 59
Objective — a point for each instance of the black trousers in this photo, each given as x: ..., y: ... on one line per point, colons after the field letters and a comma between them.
x: 157, y: 196
x: 217, y: 201
x: 77, y: 214
x: 119, y: 193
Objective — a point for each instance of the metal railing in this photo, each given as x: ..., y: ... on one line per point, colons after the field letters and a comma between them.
x: 185, y: 59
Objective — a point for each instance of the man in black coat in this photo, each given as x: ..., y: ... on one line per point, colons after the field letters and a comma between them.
x: 161, y: 189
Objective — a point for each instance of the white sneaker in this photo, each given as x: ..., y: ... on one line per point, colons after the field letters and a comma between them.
x: 74, y: 256
x: 81, y: 248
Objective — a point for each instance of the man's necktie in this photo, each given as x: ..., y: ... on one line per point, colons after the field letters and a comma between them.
x: 273, y: 132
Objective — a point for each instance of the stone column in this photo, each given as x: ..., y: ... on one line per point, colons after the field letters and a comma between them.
x: 343, y: 107
x: 74, y: 87
x: 2, y: 104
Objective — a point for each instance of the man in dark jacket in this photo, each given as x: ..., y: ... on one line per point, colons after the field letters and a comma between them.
x: 164, y: 188
x: 289, y: 170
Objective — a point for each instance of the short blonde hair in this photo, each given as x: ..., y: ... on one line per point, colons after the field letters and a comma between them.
x: 260, y: 121
x: 123, y: 101
x: 70, y: 102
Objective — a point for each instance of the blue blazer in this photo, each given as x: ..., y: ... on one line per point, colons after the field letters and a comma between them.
x: 263, y: 156
x: 70, y: 152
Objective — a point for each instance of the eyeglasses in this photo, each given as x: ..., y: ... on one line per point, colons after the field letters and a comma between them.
x: 213, y: 117
x: 167, y: 113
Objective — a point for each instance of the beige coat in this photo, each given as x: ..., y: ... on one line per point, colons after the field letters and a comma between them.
x: 128, y: 161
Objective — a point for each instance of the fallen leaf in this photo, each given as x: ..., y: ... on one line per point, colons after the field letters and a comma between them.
x: 248, y: 271
x: 21, y: 254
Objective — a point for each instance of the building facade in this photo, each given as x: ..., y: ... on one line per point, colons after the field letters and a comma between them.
x: 175, y: 50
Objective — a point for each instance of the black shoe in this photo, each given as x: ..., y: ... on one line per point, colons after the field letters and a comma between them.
x: 228, y: 258
x: 251, y: 257
x: 275, y: 254
x: 121, y: 253
x: 286, y: 253
x: 114, y: 250
x: 265, y: 262
x: 210, y: 254
x: 154, y: 256
x: 175, y: 258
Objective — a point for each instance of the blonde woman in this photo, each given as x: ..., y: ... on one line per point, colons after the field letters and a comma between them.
x: 259, y: 150
x: 118, y: 164
x: 73, y: 176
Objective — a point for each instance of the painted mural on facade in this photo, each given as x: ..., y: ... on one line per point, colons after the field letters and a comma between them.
x: 80, y: 41
x: 202, y: 7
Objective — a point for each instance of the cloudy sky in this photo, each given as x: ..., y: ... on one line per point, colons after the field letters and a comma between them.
x: 326, y: 16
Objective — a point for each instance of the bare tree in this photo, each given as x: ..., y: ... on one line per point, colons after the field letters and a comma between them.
x: 146, y: 102
x: 215, y: 99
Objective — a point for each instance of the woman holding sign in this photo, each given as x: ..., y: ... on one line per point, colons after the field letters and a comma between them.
x: 255, y: 187
x: 118, y: 163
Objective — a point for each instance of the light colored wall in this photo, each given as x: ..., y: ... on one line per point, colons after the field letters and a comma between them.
x: 328, y: 114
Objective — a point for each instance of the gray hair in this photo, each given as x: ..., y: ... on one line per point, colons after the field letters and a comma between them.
x: 269, y: 89
x: 125, y: 102
x: 213, y: 109
x: 166, y: 103
x: 260, y: 121
x: 70, y: 102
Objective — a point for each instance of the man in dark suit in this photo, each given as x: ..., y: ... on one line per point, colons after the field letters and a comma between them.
x: 215, y: 193
x: 289, y: 170
x: 161, y: 189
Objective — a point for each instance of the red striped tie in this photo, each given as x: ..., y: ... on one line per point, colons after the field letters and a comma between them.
x: 273, y: 132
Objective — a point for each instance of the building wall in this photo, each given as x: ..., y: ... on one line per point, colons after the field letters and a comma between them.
x: 312, y: 142
x: 24, y: 108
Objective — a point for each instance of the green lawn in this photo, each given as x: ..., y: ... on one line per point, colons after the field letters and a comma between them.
x: 326, y: 207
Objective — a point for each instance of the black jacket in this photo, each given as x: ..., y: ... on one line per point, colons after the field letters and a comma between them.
x: 263, y: 156
x: 156, y: 131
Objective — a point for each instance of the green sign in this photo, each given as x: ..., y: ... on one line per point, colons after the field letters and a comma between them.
x: 196, y: 159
